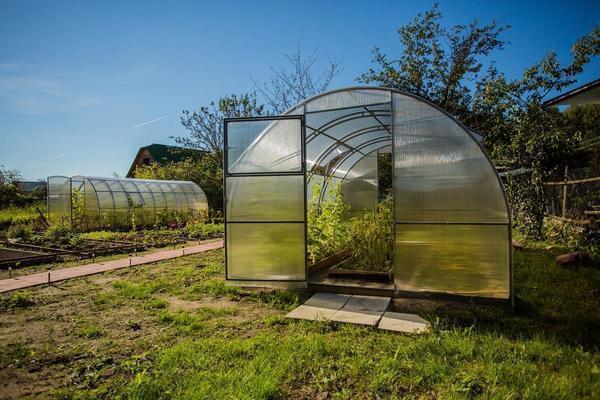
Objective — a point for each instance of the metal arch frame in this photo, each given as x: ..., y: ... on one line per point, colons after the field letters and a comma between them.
x: 404, y: 93
x: 347, y: 156
x: 350, y: 136
x: 302, y: 172
x: 346, y: 118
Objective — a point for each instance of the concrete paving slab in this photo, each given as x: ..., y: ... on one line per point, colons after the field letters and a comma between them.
x: 399, y: 322
x: 367, y: 303
x: 353, y: 317
x: 311, y: 313
x: 332, y: 301
x: 321, y: 306
x: 363, y: 310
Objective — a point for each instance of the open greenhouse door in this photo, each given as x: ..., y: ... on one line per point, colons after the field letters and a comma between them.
x: 265, y: 202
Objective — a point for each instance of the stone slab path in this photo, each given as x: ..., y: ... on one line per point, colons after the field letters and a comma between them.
x: 41, y: 278
x: 362, y: 310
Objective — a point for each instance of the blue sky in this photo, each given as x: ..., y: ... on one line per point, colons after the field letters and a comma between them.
x: 83, y: 85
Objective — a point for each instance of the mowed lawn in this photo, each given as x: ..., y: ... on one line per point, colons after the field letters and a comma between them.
x: 174, y: 330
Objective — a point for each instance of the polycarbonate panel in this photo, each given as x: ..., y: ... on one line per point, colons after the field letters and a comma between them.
x: 59, y: 198
x: 348, y: 98
x: 265, y: 251
x: 360, y: 188
x: 265, y: 198
x: 441, y: 174
x: 456, y: 259
x: 264, y: 146
x: 114, y: 200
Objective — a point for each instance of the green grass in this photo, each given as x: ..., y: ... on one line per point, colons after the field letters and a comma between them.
x: 175, y: 330
x: 20, y: 215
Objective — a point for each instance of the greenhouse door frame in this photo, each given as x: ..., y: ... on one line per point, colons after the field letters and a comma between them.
x: 284, y: 283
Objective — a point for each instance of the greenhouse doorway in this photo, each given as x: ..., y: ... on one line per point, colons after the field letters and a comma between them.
x: 366, y: 263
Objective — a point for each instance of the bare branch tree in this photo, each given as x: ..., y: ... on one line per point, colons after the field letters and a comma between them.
x: 287, y: 87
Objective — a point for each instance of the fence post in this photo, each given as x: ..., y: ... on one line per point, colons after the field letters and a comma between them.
x: 564, y: 199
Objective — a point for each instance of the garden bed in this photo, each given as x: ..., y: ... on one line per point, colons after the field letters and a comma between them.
x: 41, y: 250
x: 383, y: 276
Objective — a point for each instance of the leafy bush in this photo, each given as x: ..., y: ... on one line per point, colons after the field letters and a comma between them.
x: 327, y: 224
x: 59, y: 231
x: 203, y: 230
x: 19, y: 232
x: 371, y: 238
x: 15, y: 215
x: 572, y: 235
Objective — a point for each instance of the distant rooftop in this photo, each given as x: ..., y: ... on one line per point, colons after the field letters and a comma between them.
x: 582, y: 95
x: 162, y: 153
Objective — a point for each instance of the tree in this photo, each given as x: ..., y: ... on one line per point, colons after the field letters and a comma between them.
x: 583, y: 120
x: 524, y: 133
x: 437, y: 62
x: 205, y: 128
x: 286, y: 88
x: 9, y: 190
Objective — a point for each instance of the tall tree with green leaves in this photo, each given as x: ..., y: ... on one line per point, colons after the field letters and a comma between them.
x: 447, y: 65
x: 205, y: 126
x: 525, y: 133
x: 438, y: 62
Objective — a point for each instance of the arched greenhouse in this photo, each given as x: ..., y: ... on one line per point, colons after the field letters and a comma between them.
x: 451, y: 224
x: 94, y: 202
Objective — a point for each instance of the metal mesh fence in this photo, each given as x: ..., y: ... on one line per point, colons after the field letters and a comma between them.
x: 575, y: 195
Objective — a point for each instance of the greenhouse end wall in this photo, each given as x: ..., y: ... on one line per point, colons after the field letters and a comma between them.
x: 96, y: 202
x: 451, y: 221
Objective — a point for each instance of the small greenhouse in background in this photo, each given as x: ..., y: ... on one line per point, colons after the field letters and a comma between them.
x: 96, y: 202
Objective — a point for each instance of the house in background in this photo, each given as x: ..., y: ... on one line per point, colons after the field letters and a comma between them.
x: 161, y: 153
x: 580, y: 96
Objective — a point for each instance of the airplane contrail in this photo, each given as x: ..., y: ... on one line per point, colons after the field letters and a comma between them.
x: 151, y: 121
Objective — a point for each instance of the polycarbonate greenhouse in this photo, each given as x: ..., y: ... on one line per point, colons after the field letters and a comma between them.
x: 94, y: 202
x: 452, y: 232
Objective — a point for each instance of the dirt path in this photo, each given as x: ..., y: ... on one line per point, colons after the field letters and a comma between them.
x: 41, y: 278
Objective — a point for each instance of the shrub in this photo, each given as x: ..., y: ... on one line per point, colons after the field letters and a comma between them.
x: 20, y: 232
x: 59, y: 231
x: 371, y: 238
x: 202, y: 230
x: 327, y: 223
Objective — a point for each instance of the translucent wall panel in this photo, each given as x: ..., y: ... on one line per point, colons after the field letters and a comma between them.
x: 265, y: 198
x: 441, y: 174
x: 264, y: 146
x: 457, y: 259
x: 265, y: 251
x: 59, y: 199
x: 109, y: 201
x: 360, y: 188
x: 348, y: 98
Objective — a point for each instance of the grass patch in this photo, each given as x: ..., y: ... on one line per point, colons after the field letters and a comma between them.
x: 14, y: 215
x: 185, y: 334
x: 16, y: 300
x: 90, y: 331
